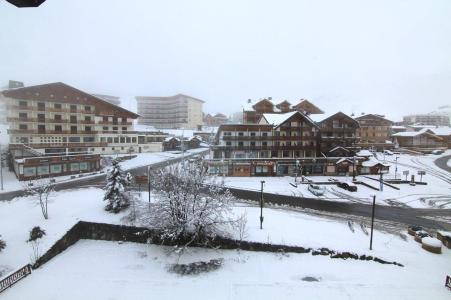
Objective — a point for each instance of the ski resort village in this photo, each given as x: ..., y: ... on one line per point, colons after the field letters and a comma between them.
x: 130, y: 178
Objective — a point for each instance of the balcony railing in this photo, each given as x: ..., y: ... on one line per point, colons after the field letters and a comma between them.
x: 274, y: 148
x: 58, y: 145
x: 268, y: 138
x: 36, y: 131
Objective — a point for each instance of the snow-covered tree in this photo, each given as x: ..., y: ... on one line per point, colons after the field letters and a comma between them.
x: 187, y: 210
x: 115, y: 193
x: 2, y: 244
x: 41, y: 189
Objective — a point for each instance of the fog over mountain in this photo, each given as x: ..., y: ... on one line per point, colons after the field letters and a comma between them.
x: 387, y: 57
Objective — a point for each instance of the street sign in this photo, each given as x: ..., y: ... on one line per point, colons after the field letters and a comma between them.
x: 421, y: 172
x: 141, y: 179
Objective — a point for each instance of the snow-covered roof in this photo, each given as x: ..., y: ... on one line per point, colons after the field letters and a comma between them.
x: 442, y: 131
x: 278, y: 119
x: 170, y: 138
x: 144, y: 128
x: 373, y: 162
x: 196, y: 137
x: 339, y: 147
x: 344, y: 159
x: 412, y: 133
x: 398, y: 127
x: 364, y: 153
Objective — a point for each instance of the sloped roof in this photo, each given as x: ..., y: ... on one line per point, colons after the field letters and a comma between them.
x: 414, y: 133
x: 306, y: 103
x: 327, y: 117
x: 441, y: 131
x: 338, y: 148
x: 372, y: 115
x: 373, y: 162
x: 364, y: 153
x: 63, y: 93
x: 278, y: 119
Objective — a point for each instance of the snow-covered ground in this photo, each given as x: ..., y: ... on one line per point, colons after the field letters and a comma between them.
x: 108, y: 270
x: 10, y: 182
x: 436, y: 194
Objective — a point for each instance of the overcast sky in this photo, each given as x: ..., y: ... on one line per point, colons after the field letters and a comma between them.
x: 386, y: 56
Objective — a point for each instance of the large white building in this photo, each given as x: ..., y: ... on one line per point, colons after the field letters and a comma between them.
x: 179, y: 111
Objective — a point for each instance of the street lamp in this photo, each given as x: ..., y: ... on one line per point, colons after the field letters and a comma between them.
x: 372, y: 221
x: 148, y: 180
x: 396, y: 165
x: 297, y: 170
x: 353, y: 169
x: 261, y: 204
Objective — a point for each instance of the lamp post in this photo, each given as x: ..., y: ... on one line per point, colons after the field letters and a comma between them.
x: 261, y: 204
x: 396, y: 165
x: 148, y: 180
x: 353, y: 169
x: 372, y: 221
x: 297, y: 170
x: 302, y: 165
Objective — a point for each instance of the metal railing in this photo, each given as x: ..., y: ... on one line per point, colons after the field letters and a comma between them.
x: 11, y: 279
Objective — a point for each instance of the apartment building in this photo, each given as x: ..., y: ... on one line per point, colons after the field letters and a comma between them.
x: 59, y: 121
x: 179, y: 111
x: 336, y: 130
x: 374, y: 131
x: 253, y: 110
x: 436, y: 119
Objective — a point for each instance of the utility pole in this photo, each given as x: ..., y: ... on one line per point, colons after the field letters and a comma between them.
x: 261, y: 204
x: 372, y: 222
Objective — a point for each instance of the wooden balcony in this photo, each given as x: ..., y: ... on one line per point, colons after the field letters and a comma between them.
x: 39, y: 132
x: 114, y: 123
x: 58, y: 145
x: 273, y: 148
x: 269, y: 138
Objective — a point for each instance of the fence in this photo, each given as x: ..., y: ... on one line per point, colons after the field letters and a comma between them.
x: 15, y: 277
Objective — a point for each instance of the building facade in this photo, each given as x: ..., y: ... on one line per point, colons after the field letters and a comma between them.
x: 435, y: 119
x: 215, y: 120
x: 337, y: 130
x: 179, y: 111
x: 422, y: 141
x: 374, y: 132
x: 58, y: 120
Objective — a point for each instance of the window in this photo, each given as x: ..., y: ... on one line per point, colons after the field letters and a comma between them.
x: 105, y: 118
x: 58, y: 117
x: 229, y: 143
x: 73, y: 119
x: 110, y: 140
x: 55, y: 169
x: 43, y: 170
x: 74, y: 139
x: 41, y: 106
x: 88, y: 128
x: 122, y: 139
x: 128, y: 139
x: 83, y: 166
x: 88, y: 118
x: 41, y: 118
x: 133, y: 139
x: 264, y: 134
x: 23, y: 103
x: 73, y: 129
x: 252, y: 133
x: 58, y: 128
x: 240, y: 144
x: 240, y: 133
x: 73, y: 107
x: 88, y: 139
x: 74, y: 167
x: 114, y: 128
x: 57, y: 105
x: 116, y: 140
x: 105, y: 128
x: 29, y: 171
x: 124, y: 128
x: 87, y: 108
x: 41, y: 128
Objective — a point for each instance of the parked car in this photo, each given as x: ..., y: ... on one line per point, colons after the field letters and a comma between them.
x: 316, y: 190
x: 437, y: 152
x: 347, y: 185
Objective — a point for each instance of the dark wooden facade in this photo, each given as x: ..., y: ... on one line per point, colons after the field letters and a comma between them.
x: 338, y: 130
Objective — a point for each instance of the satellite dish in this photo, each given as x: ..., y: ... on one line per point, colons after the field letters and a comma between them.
x: 26, y: 3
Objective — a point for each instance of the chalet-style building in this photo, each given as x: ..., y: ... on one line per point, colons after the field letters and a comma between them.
x: 173, y: 143
x: 444, y: 133
x: 253, y: 110
x: 423, y: 141
x: 337, y: 130
x: 374, y: 132
x: 215, y: 120
x: 52, y: 124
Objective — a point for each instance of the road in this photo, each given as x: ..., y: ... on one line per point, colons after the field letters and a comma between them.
x: 442, y: 163
x: 98, y: 180
x: 406, y: 216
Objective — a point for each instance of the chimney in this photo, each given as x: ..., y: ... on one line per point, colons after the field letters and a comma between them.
x: 249, y: 100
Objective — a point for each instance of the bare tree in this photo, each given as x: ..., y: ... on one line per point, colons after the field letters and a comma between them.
x: 41, y: 189
x: 34, y: 239
x: 241, y: 226
x: 186, y: 210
